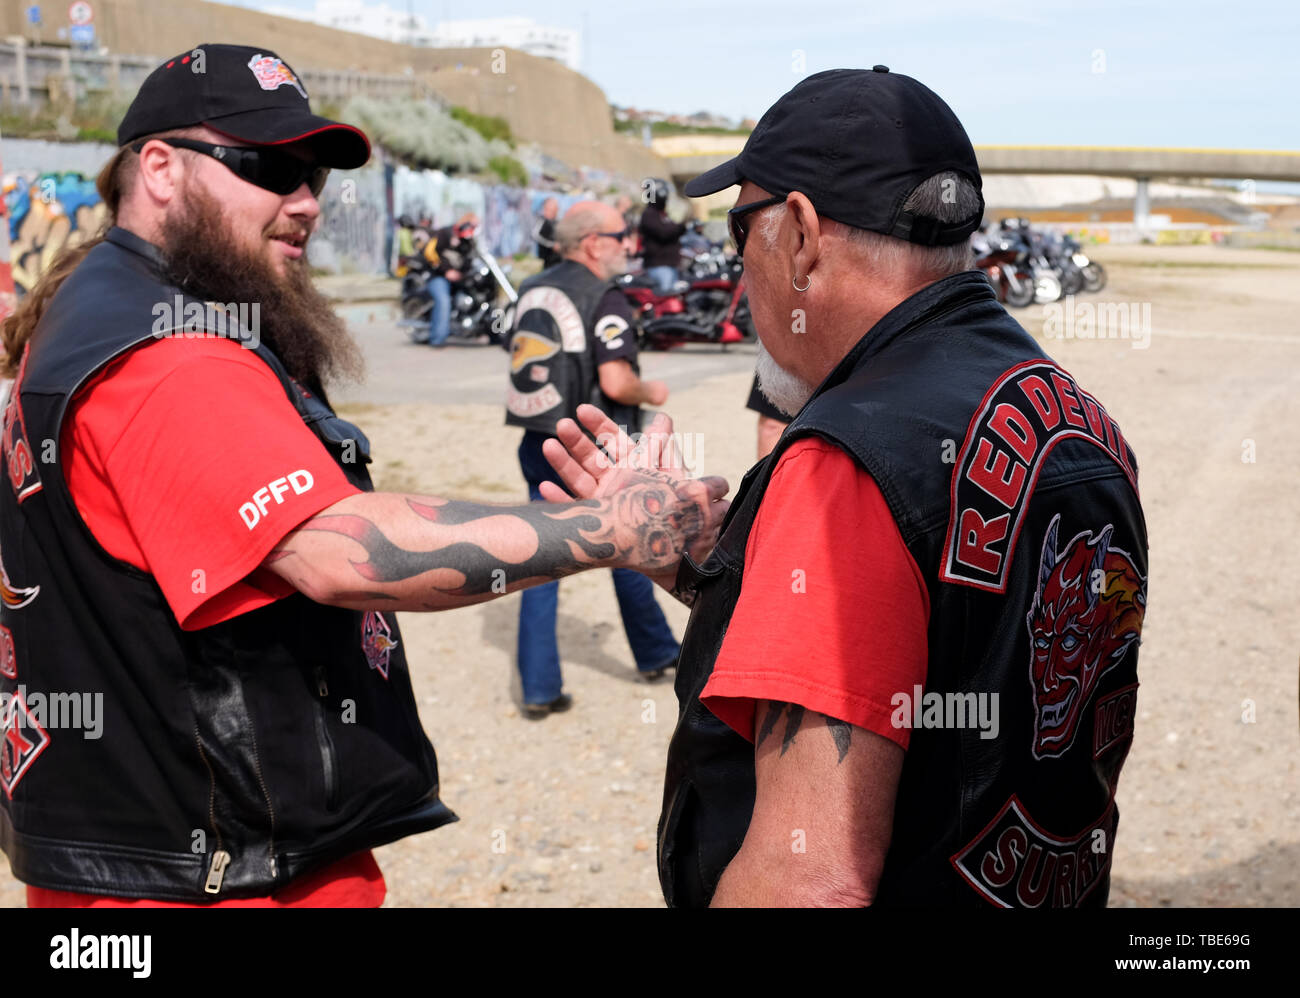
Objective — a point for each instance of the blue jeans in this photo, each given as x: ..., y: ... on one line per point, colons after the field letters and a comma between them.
x: 664, y: 278
x: 440, y: 318
x: 652, y: 641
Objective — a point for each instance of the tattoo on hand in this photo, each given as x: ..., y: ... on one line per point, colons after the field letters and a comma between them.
x: 841, y: 731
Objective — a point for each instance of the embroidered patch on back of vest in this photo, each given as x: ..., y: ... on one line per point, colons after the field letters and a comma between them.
x: 1015, y: 863
x: 8, y: 655
x: 22, y: 739
x: 1026, y: 413
x: 1112, y: 723
x: 15, y: 597
x: 16, y: 452
x: 1087, y: 610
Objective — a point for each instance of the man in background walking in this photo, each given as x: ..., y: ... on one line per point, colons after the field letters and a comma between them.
x: 573, y: 343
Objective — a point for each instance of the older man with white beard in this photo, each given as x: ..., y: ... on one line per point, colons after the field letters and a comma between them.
x: 908, y: 646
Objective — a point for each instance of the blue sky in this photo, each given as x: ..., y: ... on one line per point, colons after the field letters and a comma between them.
x: 1106, y: 72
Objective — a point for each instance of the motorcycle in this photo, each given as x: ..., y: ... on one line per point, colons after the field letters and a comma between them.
x: 1093, y: 273
x: 482, y: 301
x: 1004, y: 264
x: 712, y: 309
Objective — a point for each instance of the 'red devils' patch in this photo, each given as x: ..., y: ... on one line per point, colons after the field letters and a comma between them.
x: 1027, y: 412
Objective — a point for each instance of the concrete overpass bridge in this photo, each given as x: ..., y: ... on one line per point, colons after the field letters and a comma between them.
x: 689, y: 156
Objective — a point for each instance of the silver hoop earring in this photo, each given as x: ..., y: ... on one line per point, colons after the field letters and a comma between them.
x: 795, y: 282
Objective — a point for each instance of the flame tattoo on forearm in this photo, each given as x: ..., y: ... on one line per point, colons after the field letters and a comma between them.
x: 570, y: 537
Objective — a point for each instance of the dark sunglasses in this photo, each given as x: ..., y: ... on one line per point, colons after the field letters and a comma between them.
x: 620, y: 236
x: 740, y: 230
x: 271, y: 169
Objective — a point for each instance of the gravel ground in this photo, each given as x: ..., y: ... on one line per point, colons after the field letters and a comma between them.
x: 562, y: 812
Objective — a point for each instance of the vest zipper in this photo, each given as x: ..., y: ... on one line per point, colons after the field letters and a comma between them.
x: 220, y: 858
x: 326, y: 743
x: 217, y: 871
x: 270, y: 810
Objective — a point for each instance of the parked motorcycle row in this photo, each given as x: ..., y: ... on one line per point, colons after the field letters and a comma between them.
x: 1027, y: 265
x: 708, y: 303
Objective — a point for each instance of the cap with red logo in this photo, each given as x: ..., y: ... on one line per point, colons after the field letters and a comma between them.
x: 249, y: 94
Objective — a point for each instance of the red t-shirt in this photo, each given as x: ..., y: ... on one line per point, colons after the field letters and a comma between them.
x: 166, y: 452
x: 833, y: 611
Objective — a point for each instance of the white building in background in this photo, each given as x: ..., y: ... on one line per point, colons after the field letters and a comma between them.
x: 379, y: 20
x: 395, y: 24
x: 522, y: 33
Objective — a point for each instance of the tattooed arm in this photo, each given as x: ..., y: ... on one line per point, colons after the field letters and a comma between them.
x: 589, y: 472
x: 404, y: 552
x: 823, y: 813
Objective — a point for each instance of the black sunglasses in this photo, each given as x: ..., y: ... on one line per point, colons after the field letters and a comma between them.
x: 271, y: 169
x: 620, y: 236
x: 738, y: 229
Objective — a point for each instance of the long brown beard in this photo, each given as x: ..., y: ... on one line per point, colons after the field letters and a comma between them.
x: 299, y: 325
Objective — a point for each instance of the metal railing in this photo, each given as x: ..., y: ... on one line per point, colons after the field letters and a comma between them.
x: 31, y: 76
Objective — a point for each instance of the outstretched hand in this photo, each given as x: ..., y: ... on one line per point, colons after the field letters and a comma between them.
x: 595, y: 472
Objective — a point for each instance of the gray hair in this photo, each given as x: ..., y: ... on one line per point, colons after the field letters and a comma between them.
x: 946, y: 197
x: 577, y: 223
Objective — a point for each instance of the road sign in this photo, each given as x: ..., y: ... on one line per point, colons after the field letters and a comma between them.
x: 82, y: 34
x: 33, y: 14
x: 80, y: 13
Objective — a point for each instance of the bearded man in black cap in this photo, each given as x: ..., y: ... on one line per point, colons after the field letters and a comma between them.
x: 910, y: 671
x: 191, y: 544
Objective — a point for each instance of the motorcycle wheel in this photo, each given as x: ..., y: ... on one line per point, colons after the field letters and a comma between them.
x: 1047, y: 288
x: 416, y: 307
x: 1018, y: 297
x: 1071, y: 281
x: 1094, y: 277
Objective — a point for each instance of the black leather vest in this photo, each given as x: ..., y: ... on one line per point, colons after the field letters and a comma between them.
x: 230, y: 760
x: 1017, y: 496
x: 552, y: 365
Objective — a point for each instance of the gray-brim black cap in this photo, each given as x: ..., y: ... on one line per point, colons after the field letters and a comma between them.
x: 857, y: 142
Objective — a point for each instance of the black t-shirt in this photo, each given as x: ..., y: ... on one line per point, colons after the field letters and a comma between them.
x: 759, y: 403
x: 544, y: 236
x: 614, y: 338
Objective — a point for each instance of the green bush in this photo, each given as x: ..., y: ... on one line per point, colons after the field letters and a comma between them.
x: 509, y: 169
x: 488, y: 126
x: 422, y: 135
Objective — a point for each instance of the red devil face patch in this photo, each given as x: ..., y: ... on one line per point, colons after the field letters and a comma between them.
x: 1087, y: 611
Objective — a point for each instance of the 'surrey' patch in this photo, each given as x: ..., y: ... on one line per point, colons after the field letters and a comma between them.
x: 1016, y: 863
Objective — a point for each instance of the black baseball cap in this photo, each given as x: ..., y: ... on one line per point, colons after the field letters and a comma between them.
x: 857, y: 142
x: 249, y: 94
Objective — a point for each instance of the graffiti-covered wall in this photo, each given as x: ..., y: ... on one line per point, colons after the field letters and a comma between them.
x: 47, y: 212
x: 51, y: 203
x: 352, y: 234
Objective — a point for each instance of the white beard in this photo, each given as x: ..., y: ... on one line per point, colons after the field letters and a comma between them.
x: 786, y: 391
